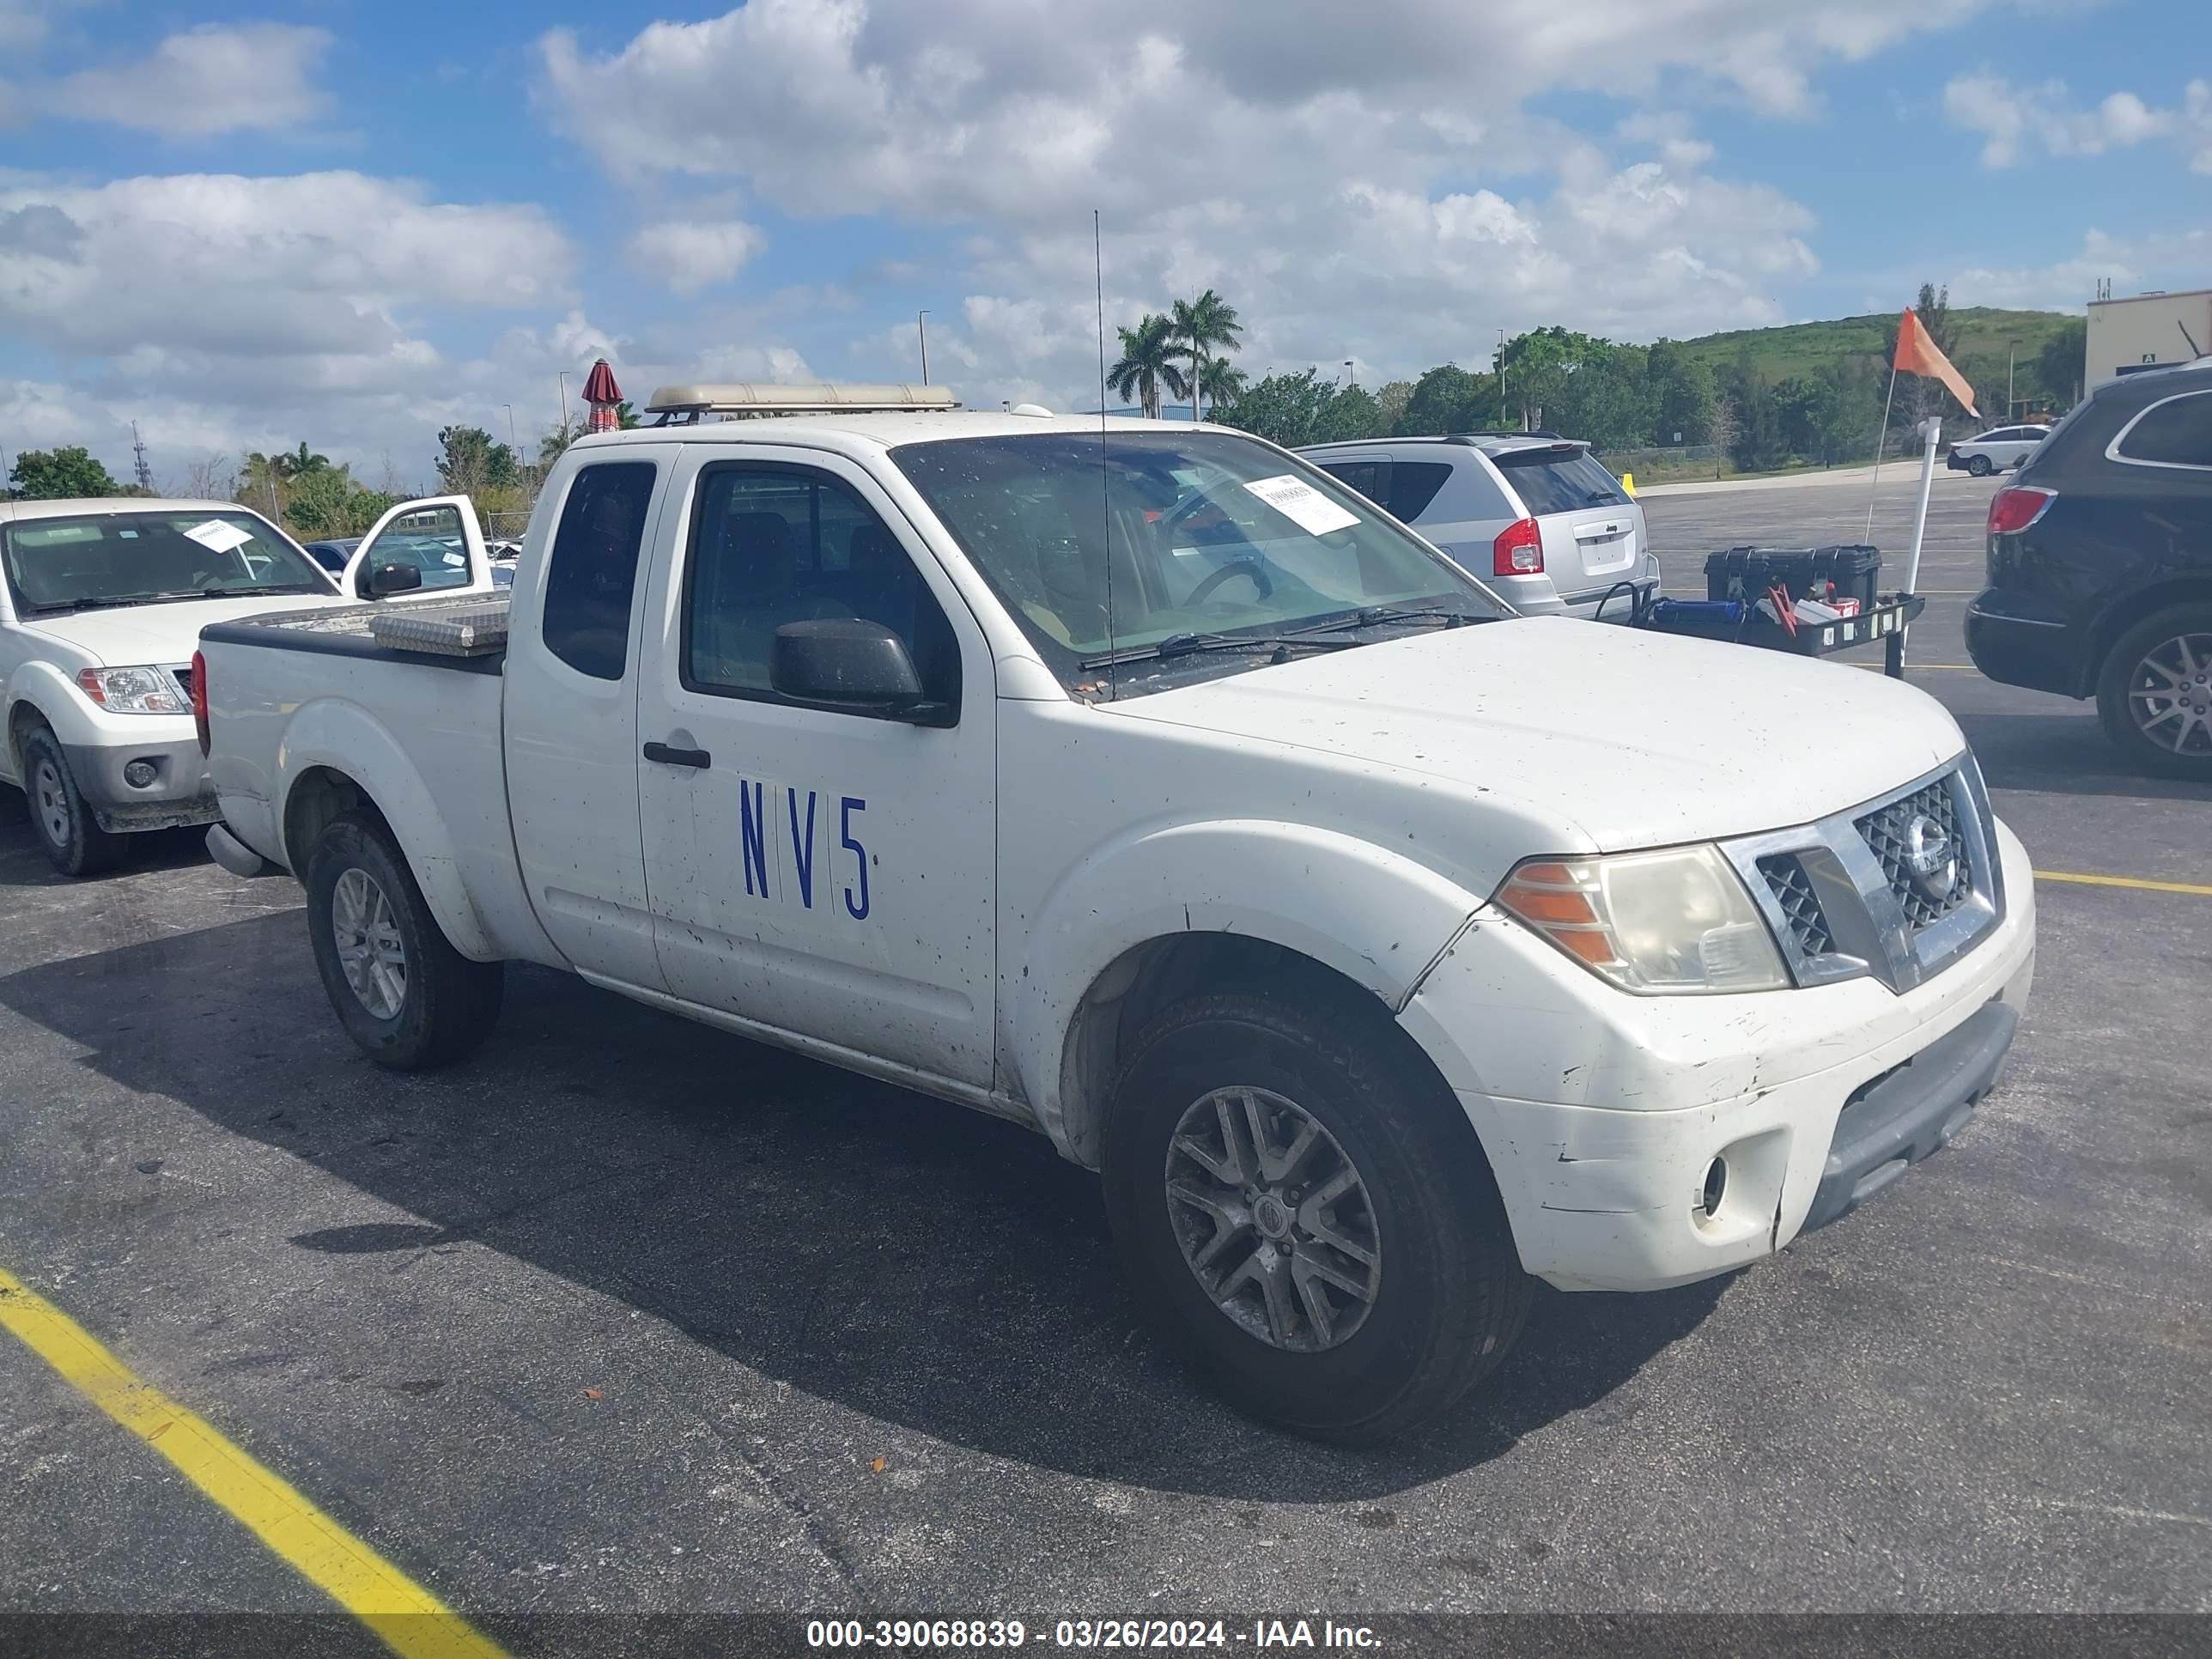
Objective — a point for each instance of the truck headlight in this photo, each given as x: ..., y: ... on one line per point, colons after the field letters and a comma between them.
x: 132, y: 691
x: 1675, y: 921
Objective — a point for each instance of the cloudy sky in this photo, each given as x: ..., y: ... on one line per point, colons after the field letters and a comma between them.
x: 354, y: 221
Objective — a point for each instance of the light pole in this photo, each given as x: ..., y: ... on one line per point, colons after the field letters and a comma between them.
x: 922, y: 329
x: 1350, y: 378
x: 1498, y: 358
x: 511, y: 443
x: 563, y: 377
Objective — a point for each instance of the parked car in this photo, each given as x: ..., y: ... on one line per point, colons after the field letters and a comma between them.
x: 102, y: 606
x: 2100, y: 568
x: 332, y: 555
x: 1998, y: 450
x: 1325, y: 906
x: 1535, y: 516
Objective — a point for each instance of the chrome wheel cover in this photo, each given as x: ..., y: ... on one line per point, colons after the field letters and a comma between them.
x: 2169, y: 695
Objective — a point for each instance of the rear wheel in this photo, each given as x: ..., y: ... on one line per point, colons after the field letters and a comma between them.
x: 1309, y: 1215
x: 62, y: 819
x: 2154, y: 692
x: 405, y: 996
x: 1978, y: 466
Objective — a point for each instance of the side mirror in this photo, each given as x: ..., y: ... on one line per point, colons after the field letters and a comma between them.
x: 385, y: 579
x: 847, y: 662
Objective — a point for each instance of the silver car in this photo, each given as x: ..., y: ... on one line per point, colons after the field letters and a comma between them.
x: 1534, y: 516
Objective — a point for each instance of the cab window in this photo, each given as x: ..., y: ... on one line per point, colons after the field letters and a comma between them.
x: 594, y: 570
x: 771, y: 545
x: 2175, y: 433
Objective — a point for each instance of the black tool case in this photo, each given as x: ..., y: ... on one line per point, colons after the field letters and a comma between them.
x: 1747, y: 573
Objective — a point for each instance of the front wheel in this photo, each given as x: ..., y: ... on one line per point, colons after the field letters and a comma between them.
x: 1309, y: 1214
x: 408, y: 999
x: 69, y: 833
x: 2154, y: 692
x: 1978, y: 466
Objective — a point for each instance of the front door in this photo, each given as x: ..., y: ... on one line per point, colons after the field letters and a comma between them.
x: 438, y: 535
x: 816, y: 872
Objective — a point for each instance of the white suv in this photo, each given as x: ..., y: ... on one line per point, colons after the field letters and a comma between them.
x: 1532, y: 515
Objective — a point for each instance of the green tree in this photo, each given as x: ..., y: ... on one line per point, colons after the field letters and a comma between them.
x: 626, y: 417
x: 468, y: 460
x: 1446, y: 398
x: 300, y: 462
x: 1150, y: 361
x: 1202, y: 326
x: 1758, y: 444
x: 1285, y: 408
x: 2062, y: 366
x: 1222, y: 382
x: 326, y: 501
x: 1390, y: 407
x: 1349, y: 413
x: 58, y: 475
x: 1682, y: 393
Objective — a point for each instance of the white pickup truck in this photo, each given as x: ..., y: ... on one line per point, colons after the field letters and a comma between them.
x: 1379, y: 947
x: 100, y: 602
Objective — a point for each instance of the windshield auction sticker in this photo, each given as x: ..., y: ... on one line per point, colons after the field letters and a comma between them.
x: 1302, y: 504
x: 219, y: 537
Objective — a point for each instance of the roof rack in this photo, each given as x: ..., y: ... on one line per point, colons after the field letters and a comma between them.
x: 1507, y: 432
x: 683, y: 406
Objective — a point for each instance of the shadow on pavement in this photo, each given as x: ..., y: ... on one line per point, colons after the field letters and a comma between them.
x: 23, y: 861
x: 909, y: 1260
x: 2060, y: 751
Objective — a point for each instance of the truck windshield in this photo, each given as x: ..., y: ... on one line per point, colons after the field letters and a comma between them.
x: 93, y: 560
x: 1108, y: 542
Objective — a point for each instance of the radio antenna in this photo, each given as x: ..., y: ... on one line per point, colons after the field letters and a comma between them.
x: 1105, y: 477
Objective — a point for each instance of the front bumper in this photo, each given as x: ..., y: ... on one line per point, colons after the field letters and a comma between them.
x: 178, y: 795
x: 1602, y: 1113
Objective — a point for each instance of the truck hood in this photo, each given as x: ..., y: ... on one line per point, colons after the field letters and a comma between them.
x: 1633, y: 738
x: 138, y: 634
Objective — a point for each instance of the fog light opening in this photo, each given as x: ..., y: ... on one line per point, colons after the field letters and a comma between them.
x: 141, y: 774
x: 1709, y: 1204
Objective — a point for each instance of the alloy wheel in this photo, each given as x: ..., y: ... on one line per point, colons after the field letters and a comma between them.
x: 1273, y: 1219
x: 2169, y: 695
x: 370, y: 949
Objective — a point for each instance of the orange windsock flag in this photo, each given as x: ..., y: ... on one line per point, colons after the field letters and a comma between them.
x: 1918, y: 354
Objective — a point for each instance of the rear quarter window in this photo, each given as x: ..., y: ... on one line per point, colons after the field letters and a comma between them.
x: 2175, y: 433
x: 1413, y: 486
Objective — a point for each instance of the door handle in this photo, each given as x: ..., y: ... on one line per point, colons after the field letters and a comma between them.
x: 667, y: 756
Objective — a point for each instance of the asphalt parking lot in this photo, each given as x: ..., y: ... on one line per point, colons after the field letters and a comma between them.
x: 627, y: 1315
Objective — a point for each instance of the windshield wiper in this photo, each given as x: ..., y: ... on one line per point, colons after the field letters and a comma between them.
x: 60, y: 607
x: 1192, y: 645
x: 261, y: 592
x: 1379, y: 616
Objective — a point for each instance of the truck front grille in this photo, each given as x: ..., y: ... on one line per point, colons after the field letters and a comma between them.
x: 1924, y: 825
x: 1801, y: 905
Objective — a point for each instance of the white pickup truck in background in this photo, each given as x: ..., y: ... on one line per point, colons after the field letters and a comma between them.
x: 101, y: 603
x: 1343, y: 920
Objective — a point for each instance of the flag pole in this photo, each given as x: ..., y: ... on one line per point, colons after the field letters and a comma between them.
x: 1880, y: 437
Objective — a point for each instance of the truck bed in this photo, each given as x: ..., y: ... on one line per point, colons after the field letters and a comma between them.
x: 467, y: 632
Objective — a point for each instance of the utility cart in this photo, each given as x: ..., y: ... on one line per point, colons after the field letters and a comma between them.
x: 1811, y: 601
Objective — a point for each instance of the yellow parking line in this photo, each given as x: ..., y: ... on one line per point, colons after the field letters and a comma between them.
x: 2137, y: 882
x: 409, y: 1620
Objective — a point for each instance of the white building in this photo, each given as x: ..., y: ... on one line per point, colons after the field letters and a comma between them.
x: 2147, y: 330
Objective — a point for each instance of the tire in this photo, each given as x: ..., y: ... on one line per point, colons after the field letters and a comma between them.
x: 1445, y: 1293
x: 2169, y: 656
x: 61, y: 817
x: 409, y: 1000
x: 1977, y: 466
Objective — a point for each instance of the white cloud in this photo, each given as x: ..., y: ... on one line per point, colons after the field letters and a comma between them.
x: 210, y: 80
x: 2172, y: 260
x: 2017, y: 121
x: 690, y: 254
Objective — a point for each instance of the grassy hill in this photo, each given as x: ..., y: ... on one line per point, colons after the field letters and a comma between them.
x: 1985, y: 335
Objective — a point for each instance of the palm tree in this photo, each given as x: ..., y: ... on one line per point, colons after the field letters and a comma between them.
x: 1223, y: 382
x: 1201, y: 326
x: 298, y: 462
x: 1147, y: 363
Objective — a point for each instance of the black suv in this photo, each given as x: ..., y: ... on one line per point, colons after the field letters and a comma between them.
x: 2100, y: 568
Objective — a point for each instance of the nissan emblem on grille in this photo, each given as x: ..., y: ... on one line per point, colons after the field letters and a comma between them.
x: 1932, y: 857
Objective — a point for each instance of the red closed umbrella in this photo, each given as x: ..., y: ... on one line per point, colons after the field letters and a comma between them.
x: 601, y: 392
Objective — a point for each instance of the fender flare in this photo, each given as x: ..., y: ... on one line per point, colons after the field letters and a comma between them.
x: 60, y: 707
x: 1377, y: 917
x: 334, y: 735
